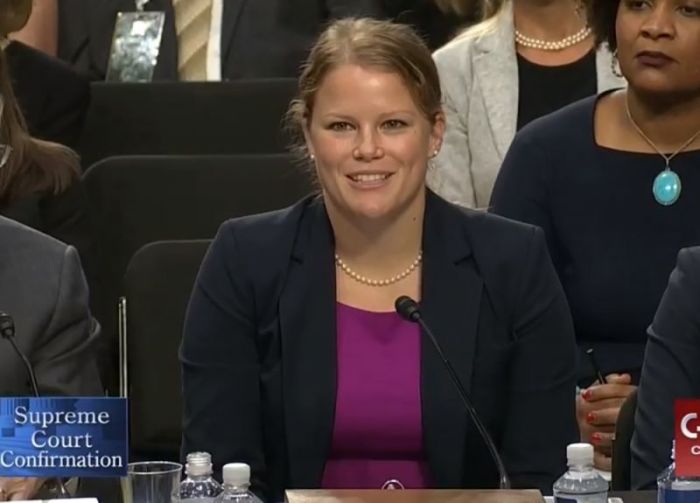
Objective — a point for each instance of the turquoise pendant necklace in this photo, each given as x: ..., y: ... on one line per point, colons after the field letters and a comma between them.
x: 667, y: 184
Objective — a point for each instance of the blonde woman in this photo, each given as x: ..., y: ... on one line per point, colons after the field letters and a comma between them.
x: 294, y: 358
x: 526, y: 59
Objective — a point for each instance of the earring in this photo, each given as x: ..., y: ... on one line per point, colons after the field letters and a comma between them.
x: 312, y: 157
x: 435, y: 152
x: 615, y: 65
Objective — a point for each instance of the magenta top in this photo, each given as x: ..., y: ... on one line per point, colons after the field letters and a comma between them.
x: 378, y: 430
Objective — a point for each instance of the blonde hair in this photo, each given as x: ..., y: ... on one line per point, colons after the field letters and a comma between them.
x: 372, y: 43
x: 33, y: 166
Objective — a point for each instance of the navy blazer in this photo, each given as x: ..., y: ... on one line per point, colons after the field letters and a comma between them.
x: 671, y: 370
x: 259, y: 349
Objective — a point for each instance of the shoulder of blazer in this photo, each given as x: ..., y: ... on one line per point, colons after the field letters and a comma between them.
x: 265, y: 245
x: 25, y: 239
x: 501, y: 251
x: 268, y: 237
x: 456, y: 59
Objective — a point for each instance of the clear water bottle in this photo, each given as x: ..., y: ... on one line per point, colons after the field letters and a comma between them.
x: 581, y: 483
x: 673, y: 489
x: 199, y: 486
x: 236, y: 483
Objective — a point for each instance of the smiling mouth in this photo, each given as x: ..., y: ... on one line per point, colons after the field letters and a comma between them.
x: 368, y: 178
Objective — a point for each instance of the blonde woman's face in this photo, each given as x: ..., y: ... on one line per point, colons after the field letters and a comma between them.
x: 370, y: 141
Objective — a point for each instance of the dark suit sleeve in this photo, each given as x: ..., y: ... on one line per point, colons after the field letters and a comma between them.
x: 64, y: 359
x: 220, y: 368
x: 521, y: 188
x: 356, y: 8
x: 671, y: 369
x: 65, y: 111
x: 541, y: 415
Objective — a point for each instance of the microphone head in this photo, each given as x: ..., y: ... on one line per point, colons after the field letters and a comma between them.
x: 407, y: 308
x: 7, y: 326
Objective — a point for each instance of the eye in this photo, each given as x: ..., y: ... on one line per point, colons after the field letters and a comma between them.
x: 394, y: 124
x: 340, y: 126
x: 636, y: 4
x: 690, y: 10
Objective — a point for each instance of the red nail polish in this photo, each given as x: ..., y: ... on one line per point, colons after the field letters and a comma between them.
x: 595, y: 438
x: 590, y: 418
x: 586, y: 394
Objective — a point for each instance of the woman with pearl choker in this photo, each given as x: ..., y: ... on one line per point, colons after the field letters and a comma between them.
x: 613, y: 180
x: 527, y: 58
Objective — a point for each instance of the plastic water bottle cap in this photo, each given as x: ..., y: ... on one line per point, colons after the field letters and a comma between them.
x: 198, y: 463
x: 236, y: 474
x: 579, y: 454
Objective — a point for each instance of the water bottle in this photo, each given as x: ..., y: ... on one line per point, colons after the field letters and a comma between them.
x: 673, y: 489
x: 236, y: 483
x: 581, y: 483
x: 199, y: 486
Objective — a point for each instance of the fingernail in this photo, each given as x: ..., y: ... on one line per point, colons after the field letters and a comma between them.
x: 590, y: 418
x: 595, y: 438
x: 586, y: 394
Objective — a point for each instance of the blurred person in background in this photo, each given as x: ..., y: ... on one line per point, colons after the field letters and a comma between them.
x: 41, y: 30
x: 39, y: 180
x: 53, y: 97
x: 437, y: 21
x: 613, y: 181
x: 670, y: 371
x: 43, y: 289
x: 527, y: 58
x: 208, y: 39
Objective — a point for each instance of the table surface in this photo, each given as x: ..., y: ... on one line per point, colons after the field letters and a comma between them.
x: 109, y: 491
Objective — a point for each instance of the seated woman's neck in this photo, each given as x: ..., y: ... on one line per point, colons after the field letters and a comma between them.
x: 378, y: 246
x: 548, y: 19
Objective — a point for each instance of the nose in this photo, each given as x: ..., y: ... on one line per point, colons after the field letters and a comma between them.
x: 660, y: 22
x: 368, y: 146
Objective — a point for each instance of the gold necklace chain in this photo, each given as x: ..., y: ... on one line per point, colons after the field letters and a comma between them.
x: 667, y: 158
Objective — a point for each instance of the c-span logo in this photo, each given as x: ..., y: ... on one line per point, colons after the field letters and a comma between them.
x: 63, y: 437
x: 687, y: 422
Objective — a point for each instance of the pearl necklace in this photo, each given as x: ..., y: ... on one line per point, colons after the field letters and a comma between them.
x: 378, y: 282
x: 553, y: 45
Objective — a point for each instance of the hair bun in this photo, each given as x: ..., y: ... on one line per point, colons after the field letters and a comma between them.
x: 14, y: 14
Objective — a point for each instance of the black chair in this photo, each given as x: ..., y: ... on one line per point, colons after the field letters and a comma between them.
x: 622, y: 456
x: 186, y: 118
x: 157, y: 287
x: 137, y: 200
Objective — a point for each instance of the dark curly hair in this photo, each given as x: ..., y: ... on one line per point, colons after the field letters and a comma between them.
x: 602, y: 15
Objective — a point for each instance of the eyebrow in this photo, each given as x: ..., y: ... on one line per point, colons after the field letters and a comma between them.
x: 337, y: 115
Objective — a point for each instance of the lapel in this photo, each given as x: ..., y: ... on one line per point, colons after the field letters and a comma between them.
x: 496, y: 68
x: 308, y: 328
x: 450, y: 303
x: 230, y: 18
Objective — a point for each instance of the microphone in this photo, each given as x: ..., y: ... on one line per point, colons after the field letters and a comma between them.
x: 7, y: 331
x: 408, y: 309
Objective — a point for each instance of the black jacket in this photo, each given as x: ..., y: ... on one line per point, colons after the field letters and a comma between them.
x: 259, y: 354
x: 52, y: 96
x: 671, y: 370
